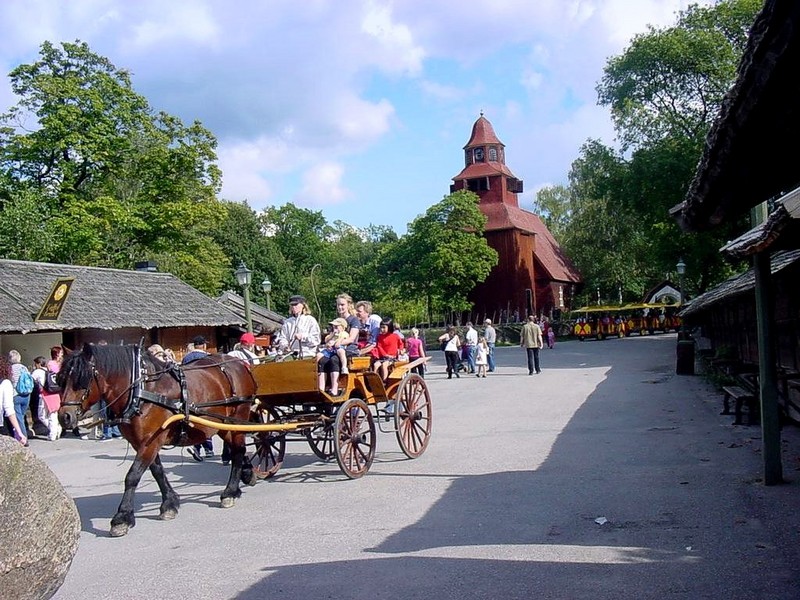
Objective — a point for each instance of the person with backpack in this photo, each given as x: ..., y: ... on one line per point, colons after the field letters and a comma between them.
x: 7, y: 412
x: 49, y: 397
x: 23, y: 386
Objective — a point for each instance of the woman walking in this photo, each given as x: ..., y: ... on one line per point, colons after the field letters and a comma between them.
x: 451, y: 345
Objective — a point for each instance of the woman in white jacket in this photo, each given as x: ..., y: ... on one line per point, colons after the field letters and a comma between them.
x: 7, y: 394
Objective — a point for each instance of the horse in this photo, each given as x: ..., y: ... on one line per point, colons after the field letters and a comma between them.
x: 152, y: 401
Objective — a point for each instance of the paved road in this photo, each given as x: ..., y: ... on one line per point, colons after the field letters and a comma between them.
x: 607, y: 476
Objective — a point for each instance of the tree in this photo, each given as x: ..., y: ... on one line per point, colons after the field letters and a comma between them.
x: 670, y: 82
x: 443, y: 255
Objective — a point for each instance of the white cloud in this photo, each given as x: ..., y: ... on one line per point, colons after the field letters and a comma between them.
x: 322, y: 186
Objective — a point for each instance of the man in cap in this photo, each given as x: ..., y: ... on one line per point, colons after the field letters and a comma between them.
x: 490, y: 335
x: 198, y: 351
x: 300, y: 332
x: 245, y: 349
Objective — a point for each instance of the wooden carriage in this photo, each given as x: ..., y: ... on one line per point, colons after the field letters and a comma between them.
x: 289, y: 406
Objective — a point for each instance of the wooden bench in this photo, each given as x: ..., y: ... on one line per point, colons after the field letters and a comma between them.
x: 741, y: 395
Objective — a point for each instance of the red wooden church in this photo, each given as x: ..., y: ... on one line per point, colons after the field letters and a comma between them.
x: 533, y: 276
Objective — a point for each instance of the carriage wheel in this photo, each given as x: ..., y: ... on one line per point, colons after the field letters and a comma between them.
x: 270, y: 445
x: 320, y: 439
x: 354, y: 438
x: 412, y: 415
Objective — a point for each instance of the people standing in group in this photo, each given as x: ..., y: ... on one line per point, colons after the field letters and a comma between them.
x: 49, y: 399
x: 300, y: 332
x: 531, y: 340
x: 490, y: 335
x: 415, y: 349
x: 8, y: 411
x: 471, y: 342
x: 21, y: 398
x: 452, y: 345
x: 199, y: 350
x: 481, y: 357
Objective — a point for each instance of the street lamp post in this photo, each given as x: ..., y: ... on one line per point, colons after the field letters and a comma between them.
x: 266, y: 285
x: 681, y: 268
x: 243, y: 277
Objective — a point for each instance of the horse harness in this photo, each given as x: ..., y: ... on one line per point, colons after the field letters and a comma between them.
x: 137, y: 394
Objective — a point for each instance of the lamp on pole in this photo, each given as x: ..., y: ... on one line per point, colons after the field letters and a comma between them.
x: 243, y: 277
x: 598, y: 295
x: 266, y: 285
x: 681, y: 268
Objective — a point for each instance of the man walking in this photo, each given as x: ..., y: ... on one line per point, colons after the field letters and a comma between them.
x: 199, y: 350
x: 490, y: 335
x: 531, y: 340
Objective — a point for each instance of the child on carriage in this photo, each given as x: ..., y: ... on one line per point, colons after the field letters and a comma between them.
x: 387, y: 348
x: 333, y: 346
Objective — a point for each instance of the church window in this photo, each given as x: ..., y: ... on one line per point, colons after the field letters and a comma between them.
x: 467, y: 157
x: 492, y: 154
x: 478, y: 155
x: 481, y: 184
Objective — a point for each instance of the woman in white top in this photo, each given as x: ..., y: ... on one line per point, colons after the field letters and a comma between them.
x: 451, y: 343
x: 300, y: 332
x: 7, y: 394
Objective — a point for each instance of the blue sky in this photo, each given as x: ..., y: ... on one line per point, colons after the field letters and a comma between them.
x: 356, y: 108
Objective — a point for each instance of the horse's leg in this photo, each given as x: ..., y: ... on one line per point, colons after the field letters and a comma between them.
x: 124, y: 519
x: 170, y: 502
x: 232, y: 490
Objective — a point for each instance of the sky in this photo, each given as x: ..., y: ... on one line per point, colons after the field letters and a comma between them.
x: 356, y: 108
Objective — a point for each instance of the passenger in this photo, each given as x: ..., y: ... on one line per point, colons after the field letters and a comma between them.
x: 246, y: 349
x: 415, y: 348
x: 300, y: 332
x: 345, y: 310
x: 387, y: 348
x: 333, y: 347
x: 369, y: 331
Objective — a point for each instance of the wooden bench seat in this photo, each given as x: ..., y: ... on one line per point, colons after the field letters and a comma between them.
x: 740, y: 395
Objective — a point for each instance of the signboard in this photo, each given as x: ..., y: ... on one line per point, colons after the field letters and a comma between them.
x: 51, y: 309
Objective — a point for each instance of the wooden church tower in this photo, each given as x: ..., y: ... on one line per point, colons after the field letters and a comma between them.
x: 533, y: 276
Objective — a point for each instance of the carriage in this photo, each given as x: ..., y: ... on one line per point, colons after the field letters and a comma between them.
x: 159, y: 404
x: 289, y: 406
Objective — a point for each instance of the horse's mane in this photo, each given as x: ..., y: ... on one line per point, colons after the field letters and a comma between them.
x: 111, y: 360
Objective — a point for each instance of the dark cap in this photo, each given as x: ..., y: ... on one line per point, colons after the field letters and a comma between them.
x: 198, y: 340
x: 298, y: 300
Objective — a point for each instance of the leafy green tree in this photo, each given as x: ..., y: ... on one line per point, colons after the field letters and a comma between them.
x: 443, y: 255
x: 670, y: 82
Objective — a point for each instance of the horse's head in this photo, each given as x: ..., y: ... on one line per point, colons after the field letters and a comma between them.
x: 80, y: 384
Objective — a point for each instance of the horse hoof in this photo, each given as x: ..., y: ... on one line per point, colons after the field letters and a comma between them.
x: 168, y: 515
x: 252, y: 480
x: 119, y: 530
x: 228, y: 502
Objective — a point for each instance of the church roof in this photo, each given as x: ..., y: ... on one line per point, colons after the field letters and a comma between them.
x: 484, y: 169
x: 548, y: 252
x: 482, y: 134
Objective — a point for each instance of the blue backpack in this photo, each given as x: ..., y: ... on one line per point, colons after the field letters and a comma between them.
x: 24, y: 383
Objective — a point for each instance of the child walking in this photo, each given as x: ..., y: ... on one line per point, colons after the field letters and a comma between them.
x: 481, y: 357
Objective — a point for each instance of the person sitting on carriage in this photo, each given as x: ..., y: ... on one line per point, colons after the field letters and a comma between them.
x: 245, y: 349
x: 300, y: 332
x: 387, y: 348
x: 333, y: 347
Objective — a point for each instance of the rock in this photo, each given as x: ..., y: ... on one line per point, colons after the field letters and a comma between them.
x: 39, y: 525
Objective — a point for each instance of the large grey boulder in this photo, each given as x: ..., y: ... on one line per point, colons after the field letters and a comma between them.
x: 39, y: 525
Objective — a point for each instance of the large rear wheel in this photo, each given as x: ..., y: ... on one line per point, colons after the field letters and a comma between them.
x: 412, y: 415
x: 270, y: 445
x: 354, y: 438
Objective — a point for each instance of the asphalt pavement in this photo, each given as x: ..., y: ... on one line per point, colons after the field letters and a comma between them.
x: 605, y: 477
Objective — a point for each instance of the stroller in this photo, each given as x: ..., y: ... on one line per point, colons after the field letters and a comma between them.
x: 463, y: 359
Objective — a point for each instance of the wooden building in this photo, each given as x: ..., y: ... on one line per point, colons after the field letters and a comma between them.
x: 111, y: 305
x: 750, y: 161
x: 533, y: 275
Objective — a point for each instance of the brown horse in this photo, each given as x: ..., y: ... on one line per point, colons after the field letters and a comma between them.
x: 142, y: 394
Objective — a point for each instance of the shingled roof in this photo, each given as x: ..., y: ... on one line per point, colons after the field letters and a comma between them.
x: 104, y: 299
x: 739, y: 284
x: 751, y: 155
x: 548, y: 252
